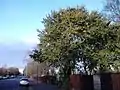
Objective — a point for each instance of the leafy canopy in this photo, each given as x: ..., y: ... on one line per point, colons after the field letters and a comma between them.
x: 74, y: 38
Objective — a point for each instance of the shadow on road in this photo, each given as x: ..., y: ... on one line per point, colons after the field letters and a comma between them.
x: 26, y: 88
x: 39, y: 87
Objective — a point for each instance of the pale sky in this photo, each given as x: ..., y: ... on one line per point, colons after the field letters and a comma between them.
x: 19, y: 20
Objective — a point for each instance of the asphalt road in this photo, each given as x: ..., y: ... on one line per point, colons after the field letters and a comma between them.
x: 13, y: 84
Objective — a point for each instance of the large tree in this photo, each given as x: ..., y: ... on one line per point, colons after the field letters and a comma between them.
x: 73, y: 35
x: 74, y: 38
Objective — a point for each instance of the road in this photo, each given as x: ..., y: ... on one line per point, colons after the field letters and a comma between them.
x: 13, y: 84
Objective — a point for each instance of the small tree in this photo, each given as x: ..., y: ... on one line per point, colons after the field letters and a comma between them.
x: 4, y: 71
x: 13, y: 71
x: 36, y: 69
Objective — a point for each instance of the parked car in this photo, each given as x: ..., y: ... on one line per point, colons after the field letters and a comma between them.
x: 1, y: 77
x: 7, y: 76
x: 4, y: 77
x: 12, y: 76
x: 24, y: 82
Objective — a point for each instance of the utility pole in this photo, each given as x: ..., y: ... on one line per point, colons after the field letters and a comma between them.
x: 37, y: 73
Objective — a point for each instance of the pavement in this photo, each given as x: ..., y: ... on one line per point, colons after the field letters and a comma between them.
x: 13, y: 84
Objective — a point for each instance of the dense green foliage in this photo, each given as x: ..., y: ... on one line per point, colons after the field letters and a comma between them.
x: 74, y: 38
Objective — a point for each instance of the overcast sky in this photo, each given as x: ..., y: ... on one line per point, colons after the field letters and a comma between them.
x: 19, y: 20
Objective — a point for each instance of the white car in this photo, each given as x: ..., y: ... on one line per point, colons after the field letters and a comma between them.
x: 4, y: 77
x: 1, y: 77
x: 12, y: 76
x: 24, y: 82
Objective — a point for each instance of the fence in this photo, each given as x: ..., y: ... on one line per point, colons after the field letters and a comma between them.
x: 47, y: 79
x: 105, y: 81
x: 81, y: 82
